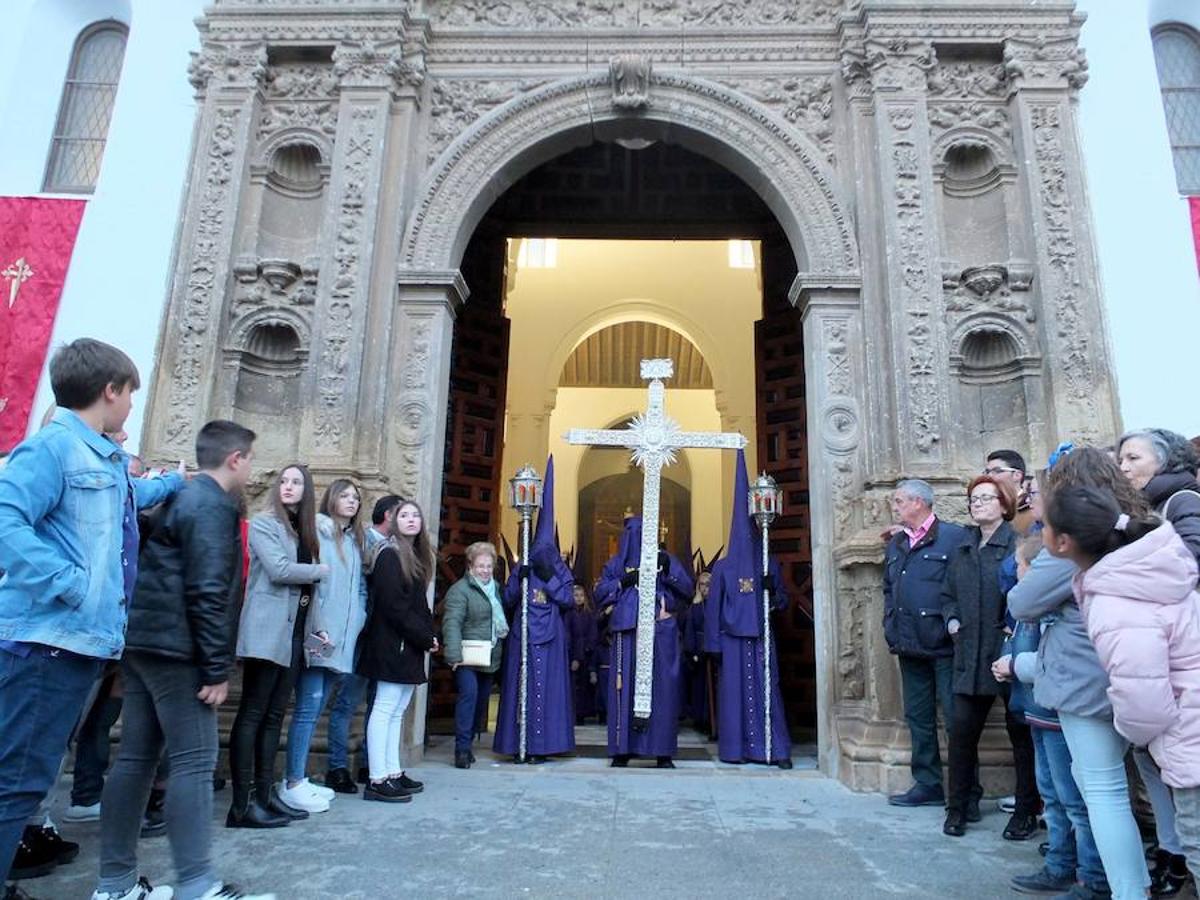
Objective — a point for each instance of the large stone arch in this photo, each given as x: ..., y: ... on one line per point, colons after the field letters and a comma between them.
x: 777, y: 162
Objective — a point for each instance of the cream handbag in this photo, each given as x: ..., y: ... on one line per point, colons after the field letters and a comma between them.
x: 477, y: 654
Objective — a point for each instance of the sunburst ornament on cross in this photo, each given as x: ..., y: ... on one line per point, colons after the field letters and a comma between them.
x: 653, y: 440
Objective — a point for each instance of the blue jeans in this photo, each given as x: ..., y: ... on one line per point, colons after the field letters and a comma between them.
x: 1072, y: 850
x: 350, y: 690
x: 312, y: 689
x: 41, y: 698
x: 1098, y: 764
x: 474, y: 690
x: 1161, y: 801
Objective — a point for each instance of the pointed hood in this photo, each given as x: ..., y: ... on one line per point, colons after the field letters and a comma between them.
x: 546, y: 534
x: 743, y: 553
x: 629, y: 551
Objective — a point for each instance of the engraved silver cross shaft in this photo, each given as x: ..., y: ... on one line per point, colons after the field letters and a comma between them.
x: 653, y: 439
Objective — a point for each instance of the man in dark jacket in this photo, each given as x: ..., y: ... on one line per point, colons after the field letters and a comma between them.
x: 178, y: 655
x: 914, y: 568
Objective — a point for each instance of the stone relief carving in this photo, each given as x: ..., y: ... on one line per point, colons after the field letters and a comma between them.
x: 840, y: 422
x: 915, y: 300
x: 1061, y: 278
x: 967, y: 79
x: 1045, y: 62
x: 853, y: 606
x: 630, y: 74
x: 366, y: 64
x: 349, y: 235
x: 805, y: 101
x: 630, y: 13
x: 957, y: 113
x: 211, y: 238
x: 228, y: 65
x: 456, y: 103
x: 298, y: 96
x: 989, y: 287
x: 274, y: 282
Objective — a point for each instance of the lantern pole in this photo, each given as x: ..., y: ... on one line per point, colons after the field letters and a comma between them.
x: 764, y: 501
x: 525, y: 494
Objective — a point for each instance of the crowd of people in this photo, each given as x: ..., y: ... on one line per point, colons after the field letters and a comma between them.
x: 1071, y: 596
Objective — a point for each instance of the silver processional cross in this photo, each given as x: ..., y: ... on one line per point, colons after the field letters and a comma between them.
x: 653, y: 439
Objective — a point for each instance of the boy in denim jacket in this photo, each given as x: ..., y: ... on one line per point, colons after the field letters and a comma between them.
x: 68, y: 553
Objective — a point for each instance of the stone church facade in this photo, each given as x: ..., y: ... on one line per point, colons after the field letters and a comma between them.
x: 922, y: 161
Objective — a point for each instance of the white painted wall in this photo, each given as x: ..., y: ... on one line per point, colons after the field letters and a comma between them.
x: 1143, y: 234
x: 116, y: 285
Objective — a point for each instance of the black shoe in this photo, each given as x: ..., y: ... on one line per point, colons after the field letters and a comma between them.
x: 386, y: 792
x: 619, y: 761
x: 664, y: 762
x: 471, y: 756
x: 339, y: 780
x: 154, y: 824
x: 462, y: 759
x: 1043, y: 848
x: 1042, y: 882
x: 363, y: 775
x: 785, y: 763
x: 920, y: 795
x: 956, y: 823
x: 973, y: 814
x: 280, y: 807
x: 410, y: 784
x: 537, y: 760
x: 255, y: 815
x: 1021, y: 827
x: 62, y: 851
x: 34, y: 858
x: 1169, y: 875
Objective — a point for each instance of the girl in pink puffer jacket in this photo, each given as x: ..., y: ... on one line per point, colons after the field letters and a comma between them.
x: 1136, y: 589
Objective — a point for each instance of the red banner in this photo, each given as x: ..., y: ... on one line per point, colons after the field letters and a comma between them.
x: 36, y: 239
x: 1194, y: 206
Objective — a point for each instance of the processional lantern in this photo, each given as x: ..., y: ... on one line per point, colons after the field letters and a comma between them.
x: 524, y: 496
x: 766, y: 500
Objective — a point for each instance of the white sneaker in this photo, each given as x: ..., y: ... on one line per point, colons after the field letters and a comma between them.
x: 1007, y: 805
x: 140, y: 891
x: 82, y: 813
x: 318, y: 790
x: 228, y: 892
x: 301, y: 797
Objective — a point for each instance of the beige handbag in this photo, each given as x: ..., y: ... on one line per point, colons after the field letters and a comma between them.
x: 477, y: 654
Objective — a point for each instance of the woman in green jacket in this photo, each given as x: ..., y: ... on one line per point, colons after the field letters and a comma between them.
x: 473, y: 612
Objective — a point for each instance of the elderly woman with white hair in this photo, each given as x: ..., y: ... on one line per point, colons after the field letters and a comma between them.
x: 1162, y: 465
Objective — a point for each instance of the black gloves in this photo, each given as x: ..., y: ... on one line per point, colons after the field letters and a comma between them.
x: 769, y: 582
x: 629, y: 579
x: 522, y: 572
x: 664, y: 561
x: 543, y: 571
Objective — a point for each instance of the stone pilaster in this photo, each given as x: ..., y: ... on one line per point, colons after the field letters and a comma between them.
x: 227, y: 80
x: 1044, y: 78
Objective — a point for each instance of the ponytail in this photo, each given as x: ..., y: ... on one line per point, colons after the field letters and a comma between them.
x: 1094, y: 520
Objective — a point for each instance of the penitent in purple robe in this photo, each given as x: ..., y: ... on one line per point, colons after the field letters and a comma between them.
x: 695, y: 665
x: 674, y: 587
x: 550, y: 716
x: 733, y: 623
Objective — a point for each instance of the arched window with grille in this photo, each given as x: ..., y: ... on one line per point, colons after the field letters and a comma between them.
x: 86, y: 109
x: 1177, y: 53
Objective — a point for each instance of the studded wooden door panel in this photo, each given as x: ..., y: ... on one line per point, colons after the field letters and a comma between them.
x: 783, y: 454
x: 472, y: 484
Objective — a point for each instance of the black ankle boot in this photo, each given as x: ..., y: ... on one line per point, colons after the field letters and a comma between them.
x: 462, y: 759
x: 1169, y: 875
x: 339, y: 780
x: 254, y: 815
x: 664, y: 762
x: 280, y: 807
x: 620, y: 761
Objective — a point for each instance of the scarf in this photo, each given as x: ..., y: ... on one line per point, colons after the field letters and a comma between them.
x: 491, y: 590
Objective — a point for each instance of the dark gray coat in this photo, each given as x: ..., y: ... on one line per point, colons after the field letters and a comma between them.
x: 971, y: 594
x: 1176, y: 497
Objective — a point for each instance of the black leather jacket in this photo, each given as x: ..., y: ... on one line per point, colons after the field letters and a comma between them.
x: 189, y: 579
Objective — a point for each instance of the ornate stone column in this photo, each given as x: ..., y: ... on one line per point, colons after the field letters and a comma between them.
x: 905, y: 172
x: 227, y: 81
x: 1044, y: 78
x: 419, y: 376
x: 366, y: 78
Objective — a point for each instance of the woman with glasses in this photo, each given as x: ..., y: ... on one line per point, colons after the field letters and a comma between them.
x: 973, y: 609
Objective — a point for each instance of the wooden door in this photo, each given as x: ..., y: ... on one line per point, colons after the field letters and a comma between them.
x: 783, y: 454
x: 472, y: 488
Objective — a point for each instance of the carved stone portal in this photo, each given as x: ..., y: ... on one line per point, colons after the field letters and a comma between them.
x: 346, y: 149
